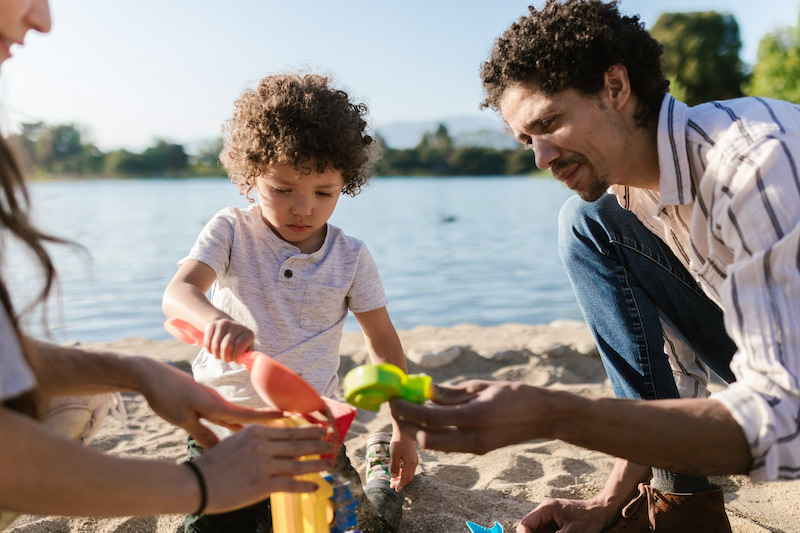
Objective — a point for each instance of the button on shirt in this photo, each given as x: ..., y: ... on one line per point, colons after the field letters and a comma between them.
x: 729, y: 208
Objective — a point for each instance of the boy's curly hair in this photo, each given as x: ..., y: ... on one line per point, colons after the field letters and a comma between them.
x: 299, y: 120
x: 570, y: 45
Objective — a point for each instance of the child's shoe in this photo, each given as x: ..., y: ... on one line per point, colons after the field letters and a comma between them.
x: 387, y: 501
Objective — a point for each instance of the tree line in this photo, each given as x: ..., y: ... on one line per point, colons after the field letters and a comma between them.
x: 701, y: 60
x: 62, y: 151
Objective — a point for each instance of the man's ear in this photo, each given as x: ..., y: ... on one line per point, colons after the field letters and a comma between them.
x: 617, y: 85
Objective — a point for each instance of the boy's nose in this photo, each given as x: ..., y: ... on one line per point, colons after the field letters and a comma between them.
x: 301, y: 207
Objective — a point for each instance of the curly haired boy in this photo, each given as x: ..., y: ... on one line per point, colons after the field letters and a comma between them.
x: 283, y: 279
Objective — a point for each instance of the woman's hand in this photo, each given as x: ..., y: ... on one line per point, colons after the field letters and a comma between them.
x: 246, y: 467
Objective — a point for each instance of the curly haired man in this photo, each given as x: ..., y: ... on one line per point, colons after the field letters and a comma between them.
x: 683, y: 248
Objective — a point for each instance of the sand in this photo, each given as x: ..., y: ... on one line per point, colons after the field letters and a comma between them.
x: 448, y: 489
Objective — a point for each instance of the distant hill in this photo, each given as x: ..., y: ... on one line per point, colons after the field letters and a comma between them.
x: 484, y: 130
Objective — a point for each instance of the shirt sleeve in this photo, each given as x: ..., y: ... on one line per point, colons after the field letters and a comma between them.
x: 366, y: 293
x: 16, y: 377
x: 756, y: 216
x: 213, y: 245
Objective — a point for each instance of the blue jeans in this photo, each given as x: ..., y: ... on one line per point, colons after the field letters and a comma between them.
x: 627, y: 280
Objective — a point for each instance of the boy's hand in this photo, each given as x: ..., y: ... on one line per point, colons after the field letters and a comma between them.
x: 404, y: 460
x: 227, y: 339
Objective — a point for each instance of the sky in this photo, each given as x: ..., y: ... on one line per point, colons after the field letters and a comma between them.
x: 133, y: 71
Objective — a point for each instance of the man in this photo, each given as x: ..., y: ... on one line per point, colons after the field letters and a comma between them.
x: 691, y: 264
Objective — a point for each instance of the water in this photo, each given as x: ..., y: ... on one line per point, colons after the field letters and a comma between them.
x: 450, y: 251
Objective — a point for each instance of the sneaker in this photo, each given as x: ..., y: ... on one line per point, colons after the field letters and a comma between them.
x: 80, y: 417
x: 385, y: 501
x: 666, y: 512
x: 378, y: 459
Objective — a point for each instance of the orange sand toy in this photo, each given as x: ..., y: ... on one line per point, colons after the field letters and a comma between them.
x: 274, y: 382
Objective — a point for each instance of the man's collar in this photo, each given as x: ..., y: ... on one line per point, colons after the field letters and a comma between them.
x: 675, y: 182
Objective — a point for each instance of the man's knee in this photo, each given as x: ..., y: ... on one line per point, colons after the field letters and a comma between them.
x: 574, y: 223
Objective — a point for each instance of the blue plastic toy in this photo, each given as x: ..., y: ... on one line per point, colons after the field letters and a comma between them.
x: 475, y: 528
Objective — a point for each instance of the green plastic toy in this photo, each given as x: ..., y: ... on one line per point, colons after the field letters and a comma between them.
x: 368, y: 386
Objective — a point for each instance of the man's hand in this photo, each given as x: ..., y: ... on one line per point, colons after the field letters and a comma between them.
x: 476, y: 417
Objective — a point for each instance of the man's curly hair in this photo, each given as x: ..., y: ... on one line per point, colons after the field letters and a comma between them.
x: 299, y: 120
x: 571, y: 45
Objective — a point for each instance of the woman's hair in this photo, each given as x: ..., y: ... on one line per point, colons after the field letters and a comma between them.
x: 299, y: 120
x: 571, y: 45
x: 16, y: 223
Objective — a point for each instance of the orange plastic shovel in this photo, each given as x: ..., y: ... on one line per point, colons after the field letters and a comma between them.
x: 275, y: 383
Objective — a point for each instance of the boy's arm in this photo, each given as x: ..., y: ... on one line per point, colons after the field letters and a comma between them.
x: 382, y: 340
x: 185, y: 298
x: 384, y: 346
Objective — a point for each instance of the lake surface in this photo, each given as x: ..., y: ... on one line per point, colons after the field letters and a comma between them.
x: 450, y: 250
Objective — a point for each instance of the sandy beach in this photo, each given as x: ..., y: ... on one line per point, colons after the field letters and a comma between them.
x: 449, y: 489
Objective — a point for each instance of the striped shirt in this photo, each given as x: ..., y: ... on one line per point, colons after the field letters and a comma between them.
x: 729, y: 208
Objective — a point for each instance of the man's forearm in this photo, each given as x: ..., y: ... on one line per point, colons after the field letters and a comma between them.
x: 691, y: 436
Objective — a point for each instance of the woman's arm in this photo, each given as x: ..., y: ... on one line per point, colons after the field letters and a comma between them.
x: 44, y: 473
x: 172, y: 393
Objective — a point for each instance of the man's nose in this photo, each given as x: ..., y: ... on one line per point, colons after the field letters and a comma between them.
x: 544, y: 152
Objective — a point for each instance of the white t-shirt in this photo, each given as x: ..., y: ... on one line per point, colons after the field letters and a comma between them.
x: 16, y: 377
x: 294, y: 303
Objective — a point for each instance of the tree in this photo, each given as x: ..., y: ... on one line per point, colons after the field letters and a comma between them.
x: 476, y: 161
x: 777, y: 73
x: 520, y: 161
x: 701, y: 55
x: 433, y: 150
x: 58, y: 149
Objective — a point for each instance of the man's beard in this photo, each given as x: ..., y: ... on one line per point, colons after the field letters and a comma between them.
x: 598, y: 185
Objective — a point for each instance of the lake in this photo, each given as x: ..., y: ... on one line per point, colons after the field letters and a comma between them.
x: 450, y: 250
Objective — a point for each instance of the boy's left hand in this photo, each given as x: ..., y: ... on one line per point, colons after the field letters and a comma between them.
x: 403, y: 453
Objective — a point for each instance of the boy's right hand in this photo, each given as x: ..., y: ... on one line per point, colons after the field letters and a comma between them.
x: 226, y: 339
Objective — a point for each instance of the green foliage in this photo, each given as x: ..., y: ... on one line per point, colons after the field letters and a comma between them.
x: 56, y: 149
x: 777, y: 73
x: 62, y: 150
x: 436, y: 155
x: 701, y: 55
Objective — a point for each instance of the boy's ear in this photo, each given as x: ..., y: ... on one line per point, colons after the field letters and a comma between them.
x: 617, y: 85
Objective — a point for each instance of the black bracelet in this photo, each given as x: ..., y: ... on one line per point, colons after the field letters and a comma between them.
x: 202, y: 482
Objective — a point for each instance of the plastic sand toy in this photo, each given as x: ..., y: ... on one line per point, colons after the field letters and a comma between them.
x: 475, y: 528
x: 274, y: 382
x: 368, y: 386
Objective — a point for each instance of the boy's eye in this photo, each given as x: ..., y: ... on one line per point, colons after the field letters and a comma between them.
x: 325, y: 194
x: 281, y: 191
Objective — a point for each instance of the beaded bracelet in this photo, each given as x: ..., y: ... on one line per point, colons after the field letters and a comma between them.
x: 202, y: 482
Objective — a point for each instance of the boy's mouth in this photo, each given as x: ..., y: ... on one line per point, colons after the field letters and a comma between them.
x: 298, y: 228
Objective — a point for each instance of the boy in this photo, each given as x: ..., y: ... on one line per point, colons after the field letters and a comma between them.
x: 283, y: 279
